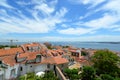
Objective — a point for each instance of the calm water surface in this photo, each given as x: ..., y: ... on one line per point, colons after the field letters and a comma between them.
x: 94, y: 45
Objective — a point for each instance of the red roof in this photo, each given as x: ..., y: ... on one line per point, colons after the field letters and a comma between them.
x: 51, y: 56
x: 60, y: 60
x: 55, y: 60
x: 11, y: 51
x: 9, y: 60
x: 29, y: 55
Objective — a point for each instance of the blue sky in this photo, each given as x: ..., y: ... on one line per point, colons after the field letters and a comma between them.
x: 60, y: 20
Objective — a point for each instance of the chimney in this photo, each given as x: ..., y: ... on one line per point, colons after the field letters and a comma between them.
x: 16, y: 56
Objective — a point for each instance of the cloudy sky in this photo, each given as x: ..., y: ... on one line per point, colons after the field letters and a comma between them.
x: 60, y: 20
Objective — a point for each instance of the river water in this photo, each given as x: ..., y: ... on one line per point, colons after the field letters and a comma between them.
x: 93, y: 45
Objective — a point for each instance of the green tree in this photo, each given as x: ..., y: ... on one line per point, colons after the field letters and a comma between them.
x: 106, y: 77
x: 83, y: 53
x: 48, y: 45
x: 50, y: 76
x: 28, y: 76
x: 31, y: 76
x: 106, y: 62
x: 72, y: 74
x: 88, y: 73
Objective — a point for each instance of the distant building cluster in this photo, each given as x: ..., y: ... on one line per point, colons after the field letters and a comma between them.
x: 32, y: 57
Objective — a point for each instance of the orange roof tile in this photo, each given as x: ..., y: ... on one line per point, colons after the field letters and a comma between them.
x: 73, y: 51
x: 11, y: 51
x: 48, y: 60
x: 60, y: 60
x: 60, y: 51
x: 54, y: 53
x: 8, y: 55
x: 55, y: 60
x: 31, y: 44
x: 9, y: 60
x: 29, y: 55
x: 25, y: 46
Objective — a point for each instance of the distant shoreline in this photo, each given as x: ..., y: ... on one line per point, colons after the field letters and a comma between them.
x: 110, y: 42
x: 66, y: 42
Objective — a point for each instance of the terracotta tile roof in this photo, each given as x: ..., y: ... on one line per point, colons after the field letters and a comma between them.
x: 48, y: 60
x: 57, y: 47
x: 55, y: 60
x: 9, y: 60
x: 49, y: 53
x: 31, y: 44
x: 60, y: 60
x: 25, y: 46
x: 73, y: 51
x: 51, y: 56
x: 11, y: 51
x: 60, y: 51
x: 55, y: 52
x: 29, y: 55
x: 46, y: 53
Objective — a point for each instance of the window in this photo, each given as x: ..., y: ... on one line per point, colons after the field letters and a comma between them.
x: 38, y: 58
x: 0, y: 62
x: 62, y: 65
x: 38, y: 48
x: 13, y: 73
x: 27, y: 48
x: 21, y: 68
x: 48, y: 66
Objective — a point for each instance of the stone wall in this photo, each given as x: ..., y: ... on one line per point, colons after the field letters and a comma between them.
x: 60, y: 74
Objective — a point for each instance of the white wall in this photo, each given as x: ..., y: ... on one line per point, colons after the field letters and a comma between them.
x: 1, y: 71
x: 30, y: 68
x: 41, y: 67
x: 1, y: 75
x: 26, y: 68
x: 8, y: 71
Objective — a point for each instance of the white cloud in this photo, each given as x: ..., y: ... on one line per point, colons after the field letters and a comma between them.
x: 100, y: 38
x: 112, y: 5
x: 5, y: 4
x: 75, y: 31
x: 87, y: 15
x: 93, y: 3
x: 110, y: 19
x: 117, y: 28
x: 48, y: 21
x: 107, y: 21
x: 64, y: 26
x: 84, y: 38
x: 104, y: 22
x: 24, y: 24
x: 45, y: 7
x: 23, y: 3
x: 72, y: 38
